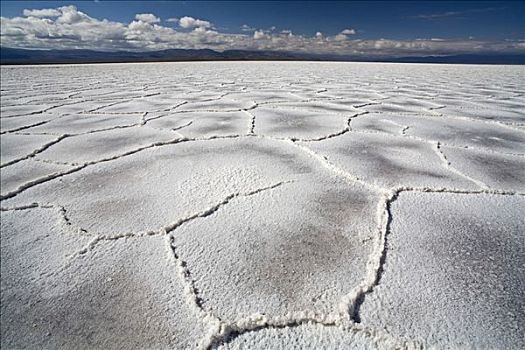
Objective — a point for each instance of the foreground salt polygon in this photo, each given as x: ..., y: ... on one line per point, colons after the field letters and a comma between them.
x: 453, y: 271
x: 263, y: 205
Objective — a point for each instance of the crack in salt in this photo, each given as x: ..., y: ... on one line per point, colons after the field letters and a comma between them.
x: 229, y: 331
x: 350, y: 304
x: 335, y: 169
x: 252, y: 121
x: 46, y: 178
x: 35, y: 152
x: 447, y: 165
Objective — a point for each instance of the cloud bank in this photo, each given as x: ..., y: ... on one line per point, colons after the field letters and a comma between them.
x: 68, y: 28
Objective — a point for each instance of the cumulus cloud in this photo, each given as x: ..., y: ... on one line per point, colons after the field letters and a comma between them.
x: 343, y: 35
x: 190, y: 22
x: 68, y: 28
x: 247, y: 28
x: 348, y: 32
x: 259, y: 34
x: 172, y: 20
x: 147, y: 17
x: 70, y: 15
x: 42, y: 13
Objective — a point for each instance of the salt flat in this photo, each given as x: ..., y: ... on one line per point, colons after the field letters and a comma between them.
x: 263, y: 205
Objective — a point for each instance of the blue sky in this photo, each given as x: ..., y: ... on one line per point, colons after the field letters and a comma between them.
x: 362, y: 27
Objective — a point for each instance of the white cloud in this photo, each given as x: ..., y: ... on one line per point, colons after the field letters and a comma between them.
x: 42, y: 13
x: 147, y: 18
x: 172, y: 20
x: 259, y: 34
x: 68, y: 28
x: 70, y: 15
x: 348, y: 32
x: 247, y: 28
x: 190, y: 22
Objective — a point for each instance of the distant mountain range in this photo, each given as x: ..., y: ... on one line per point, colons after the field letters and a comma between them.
x: 23, y: 56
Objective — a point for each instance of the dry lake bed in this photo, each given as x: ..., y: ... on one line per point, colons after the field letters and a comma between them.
x: 263, y: 205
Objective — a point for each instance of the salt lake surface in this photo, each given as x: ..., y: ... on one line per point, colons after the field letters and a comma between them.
x: 263, y: 205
